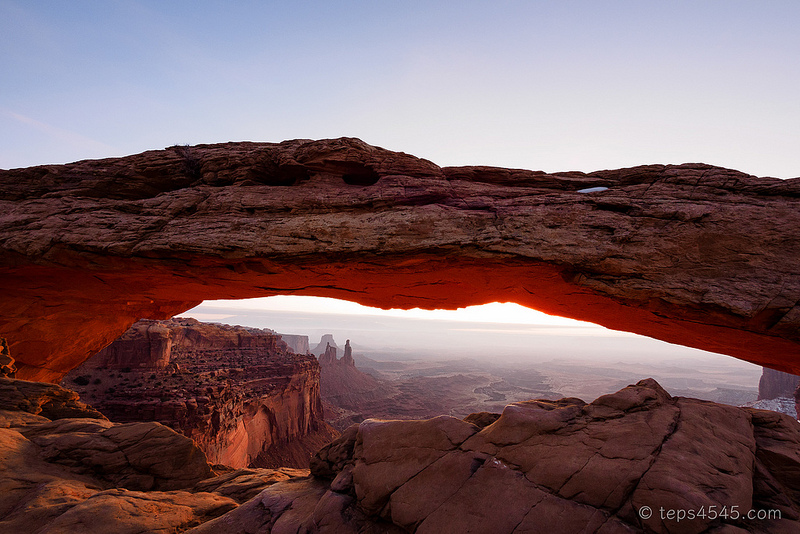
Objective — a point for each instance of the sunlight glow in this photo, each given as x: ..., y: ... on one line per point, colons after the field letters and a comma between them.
x: 495, y: 312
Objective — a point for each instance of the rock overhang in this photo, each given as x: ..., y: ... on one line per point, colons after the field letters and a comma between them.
x: 691, y: 254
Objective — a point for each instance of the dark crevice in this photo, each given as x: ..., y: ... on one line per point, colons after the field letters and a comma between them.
x: 277, y: 175
x: 357, y: 174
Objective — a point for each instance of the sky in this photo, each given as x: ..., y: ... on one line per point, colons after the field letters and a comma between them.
x: 501, y: 333
x: 544, y: 85
x: 555, y: 86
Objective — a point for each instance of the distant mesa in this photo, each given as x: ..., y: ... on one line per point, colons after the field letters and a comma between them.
x: 296, y: 343
x: 322, y: 346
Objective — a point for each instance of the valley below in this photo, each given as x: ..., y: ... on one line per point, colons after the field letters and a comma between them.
x: 402, y: 385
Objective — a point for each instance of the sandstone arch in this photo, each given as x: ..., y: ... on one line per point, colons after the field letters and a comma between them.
x: 691, y: 254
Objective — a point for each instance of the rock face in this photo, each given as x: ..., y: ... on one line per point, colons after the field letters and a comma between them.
x: 692, y: 254
x: 43, y: 400
x: 297, y: 344
x: 65, y: 468
x: 549, y: 466
x: 775, y: 384
x: 239, y: 393
x: 7, y: 367
x: 329, y: 356
x: 541, y: 466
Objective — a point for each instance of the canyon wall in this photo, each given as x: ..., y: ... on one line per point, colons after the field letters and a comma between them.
x: 298, y: 344
x: 239, y: 393
x: 691, y: 254
x: 774, y: 384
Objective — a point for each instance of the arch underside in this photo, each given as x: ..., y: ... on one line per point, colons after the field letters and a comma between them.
x: 691, y: 254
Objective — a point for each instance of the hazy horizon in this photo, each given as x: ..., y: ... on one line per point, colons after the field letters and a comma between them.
x: 504, y: 333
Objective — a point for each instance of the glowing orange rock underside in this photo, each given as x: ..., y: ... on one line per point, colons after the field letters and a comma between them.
x: 80, y: 311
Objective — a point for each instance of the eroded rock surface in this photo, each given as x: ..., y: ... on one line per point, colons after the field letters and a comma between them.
x: 78, y: 472
x: 563, y: 467
x: 692, y: 254
x: 239, y: 393
x: 43, y: 400
x: 775, y: 384
x: 541, y: 466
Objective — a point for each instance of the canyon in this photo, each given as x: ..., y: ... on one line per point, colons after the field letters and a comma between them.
x: 691, y: 254
x: 239, y: 393
x: 415, y: 389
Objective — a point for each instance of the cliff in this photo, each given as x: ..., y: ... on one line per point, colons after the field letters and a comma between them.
x: 239, y: 393
x: 691, y: 254
x: 66, y: 468
x: 297, y: 344
x: 774, y: 384
x: 349, y: 395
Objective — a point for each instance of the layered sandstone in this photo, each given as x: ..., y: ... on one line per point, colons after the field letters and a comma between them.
x: 774, y: 384
x: 692, y: 254
x: 65, y: 468
x: 239, y: 393
x: 541, y: 466
x: 625, y: 463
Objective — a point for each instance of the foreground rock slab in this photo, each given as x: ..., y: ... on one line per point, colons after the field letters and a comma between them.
x: 692, y: 254
x: 86, y: 474
x: 638, y: 461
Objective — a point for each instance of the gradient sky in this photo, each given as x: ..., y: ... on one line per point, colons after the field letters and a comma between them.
x: 558, y: 85
x: 555, y: 86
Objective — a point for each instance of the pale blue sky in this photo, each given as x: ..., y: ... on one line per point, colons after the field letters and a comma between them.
x: 558, y: 85
x: 555, y: 85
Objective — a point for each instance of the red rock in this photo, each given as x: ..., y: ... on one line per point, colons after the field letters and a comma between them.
x: 7, y: 367
x: 239, y: 393
x: 91, y: 475
x: 541, y: 466
x: 567, y: 466
x: 774, y: 384
x: 46, y: 400
x: 691, y: 254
